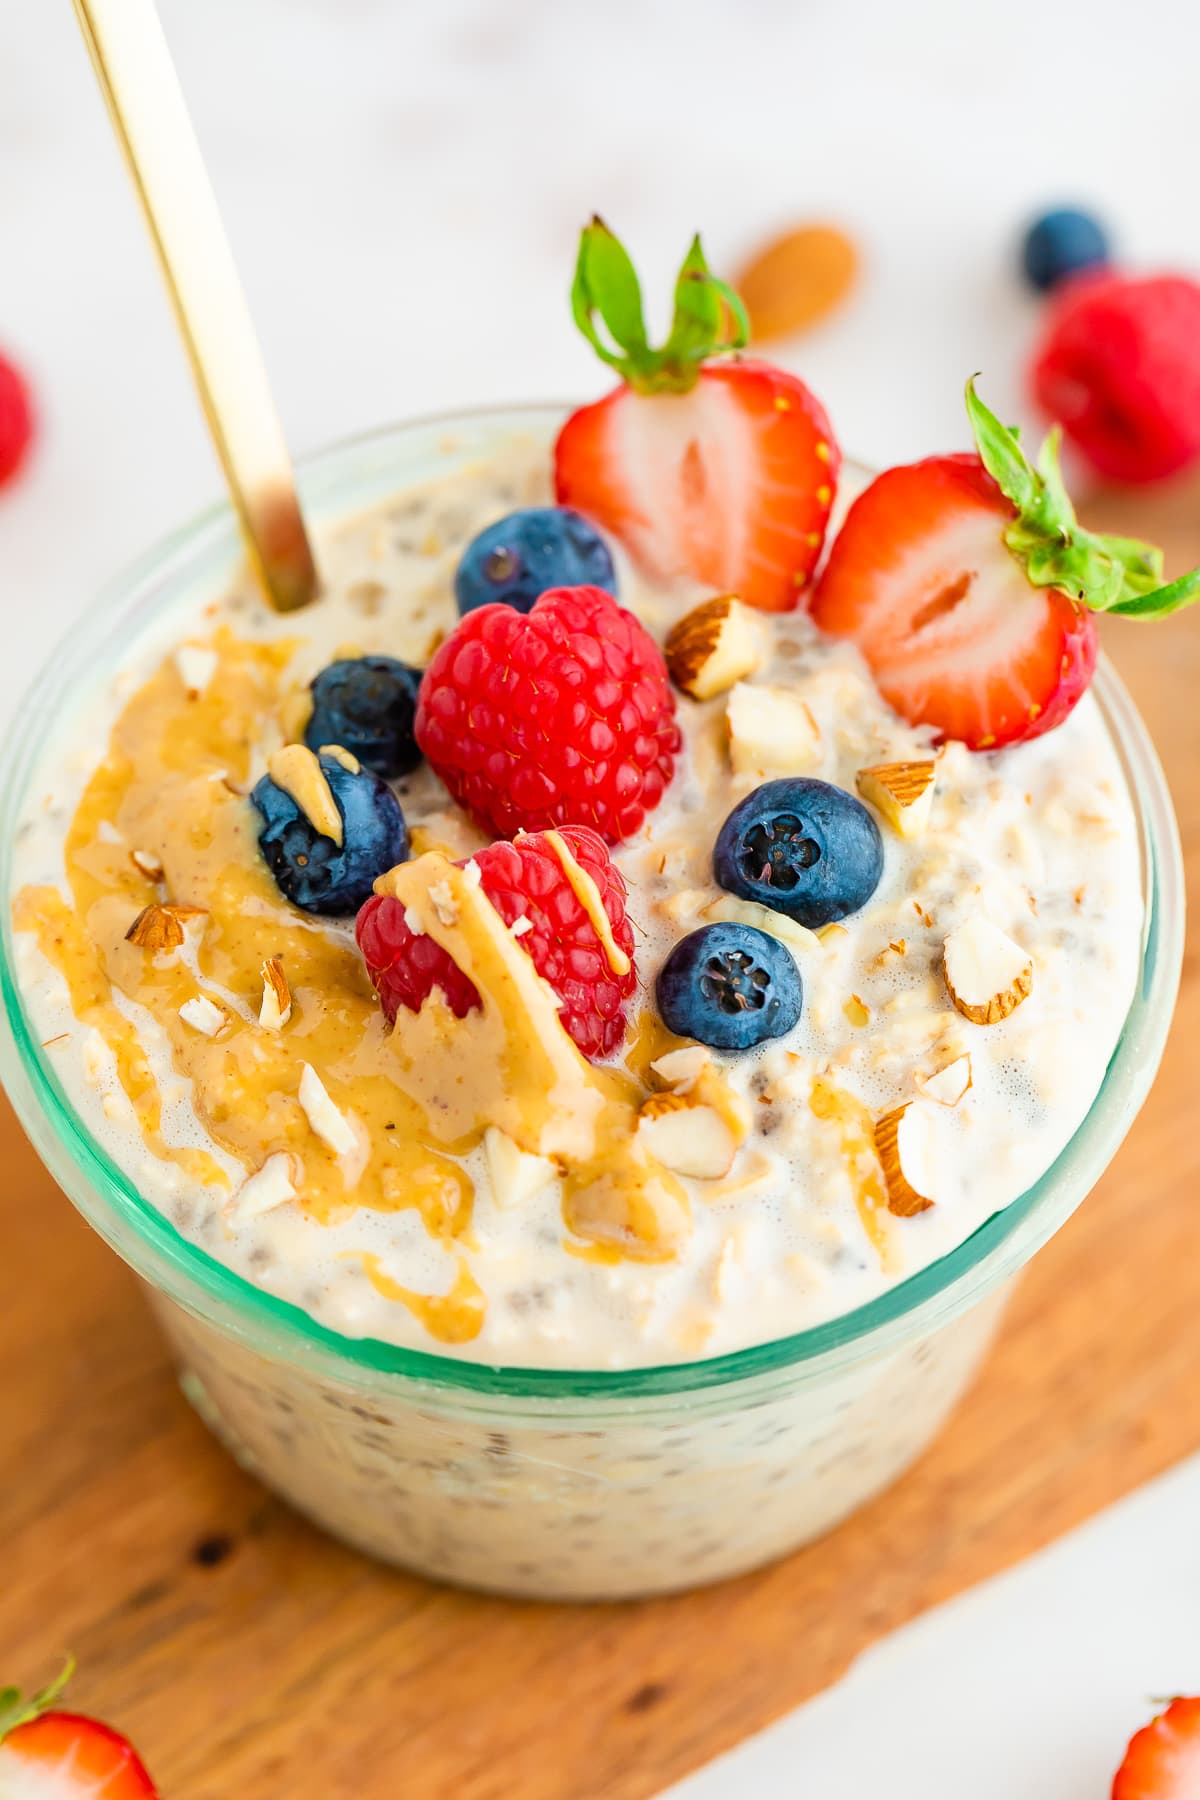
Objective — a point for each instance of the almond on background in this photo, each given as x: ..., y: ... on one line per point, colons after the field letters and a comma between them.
x: 796, y: 279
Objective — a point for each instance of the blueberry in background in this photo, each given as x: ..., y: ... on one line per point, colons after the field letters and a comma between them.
x: 312, y: 870
x: 520, y: 556
x: 1061, y: 243
x: 801, y: 847
x: 367, y: 704
x: 730, y: 986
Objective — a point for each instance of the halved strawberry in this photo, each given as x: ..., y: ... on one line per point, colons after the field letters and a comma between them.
x: 721, y: 472
x: 1163, y: 1758
x: 50, y: 1755
x: 969, y: 587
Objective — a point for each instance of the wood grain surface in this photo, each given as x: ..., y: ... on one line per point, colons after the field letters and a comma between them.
x: 250, y: 1657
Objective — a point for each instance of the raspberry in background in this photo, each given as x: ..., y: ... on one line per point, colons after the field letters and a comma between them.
x: 560, y: 716
x: 523, y: 880
x: 16, y: 419
x: 1118, y: 366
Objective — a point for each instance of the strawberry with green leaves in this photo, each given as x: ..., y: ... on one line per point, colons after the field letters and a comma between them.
x: 971, y: 588
x: 718, y: 471
x: 47, y: 1754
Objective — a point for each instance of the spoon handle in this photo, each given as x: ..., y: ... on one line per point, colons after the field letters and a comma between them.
x: 137, y: 77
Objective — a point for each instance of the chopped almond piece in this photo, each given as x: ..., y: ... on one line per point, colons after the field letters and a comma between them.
x: 276, y: 1007
x: 712, y: 647
x: 161, y: 927
x: 271, y: 1186
x: 681, y: 1069
x: 987, y: 974
x: 697, y: 1132
x: 516, y: 1175
x: 203, y: 1015
x: 771, y: 731
x: 197, y: 666
x: 147, y: 864
x: 902, y: 792
x: 331, y: 1126
x: 899, y: 1140
x: 950, y: 1083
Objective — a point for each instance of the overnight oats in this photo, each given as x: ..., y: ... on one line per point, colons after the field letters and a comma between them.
x: 565, y: 1019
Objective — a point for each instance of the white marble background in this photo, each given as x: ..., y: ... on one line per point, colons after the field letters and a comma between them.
x: 403, y: 182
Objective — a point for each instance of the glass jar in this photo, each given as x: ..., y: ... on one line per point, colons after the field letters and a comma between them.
x: 544, y: 1483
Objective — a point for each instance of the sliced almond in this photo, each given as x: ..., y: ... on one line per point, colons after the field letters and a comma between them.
x: 271, y: 1186
x: 902, y: 792
x: 516, y: 1175
x: 691, y: 1140
x: 276, y: 1007
x: 147, y: 864
x: 988, y: 975
x: 161, y: 926
x: 331, y: 1126
x: 771, y: 731
x: 196, y: 666
x: 948, y: 1085
x: 681, y: 1069
x: 697, y: 1132
x: 203, y: 1015
x: 763, y: 918
x: 899, y: 1140
x: 712, y: 647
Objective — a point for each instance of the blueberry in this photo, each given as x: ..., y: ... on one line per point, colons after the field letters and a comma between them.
x: 730, y: 986
x: 801, y: 847
x: 314, y: 871
x: 1061, y: 243
x: 519, y: 557
x: 367, y: 705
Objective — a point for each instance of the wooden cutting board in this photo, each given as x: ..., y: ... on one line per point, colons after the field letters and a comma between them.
x: 252, y: 1659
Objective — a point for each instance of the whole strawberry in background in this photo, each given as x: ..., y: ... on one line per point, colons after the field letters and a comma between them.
x: 48, y: 1754
x: 723, y: 472
x: 16, y: 420
x: 970, y: 587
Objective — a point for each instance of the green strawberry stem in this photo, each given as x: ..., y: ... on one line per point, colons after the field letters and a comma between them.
x: 709, y: 316
x: 1106, y: 574
x: 14, y: 1711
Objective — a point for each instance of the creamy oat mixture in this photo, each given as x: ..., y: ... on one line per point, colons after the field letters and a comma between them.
x: 408, y: 1241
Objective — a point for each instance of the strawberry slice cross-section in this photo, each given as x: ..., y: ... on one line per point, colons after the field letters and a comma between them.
x: 720, y: 472
x: 970, y: 588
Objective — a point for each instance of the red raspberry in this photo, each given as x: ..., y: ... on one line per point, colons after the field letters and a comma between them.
x: 522, y: 880
x: 559, y: 716
x: 16, y: 420
x: 1119, y: 366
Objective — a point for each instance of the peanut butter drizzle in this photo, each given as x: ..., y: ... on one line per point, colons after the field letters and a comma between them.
x: 828, y: 1101
x: 588, y: 896
x: 168, y: 786
x: 452, y: 1318
x: 509, y: 1063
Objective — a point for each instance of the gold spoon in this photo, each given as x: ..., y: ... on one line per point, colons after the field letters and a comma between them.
x: 137, y: 77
